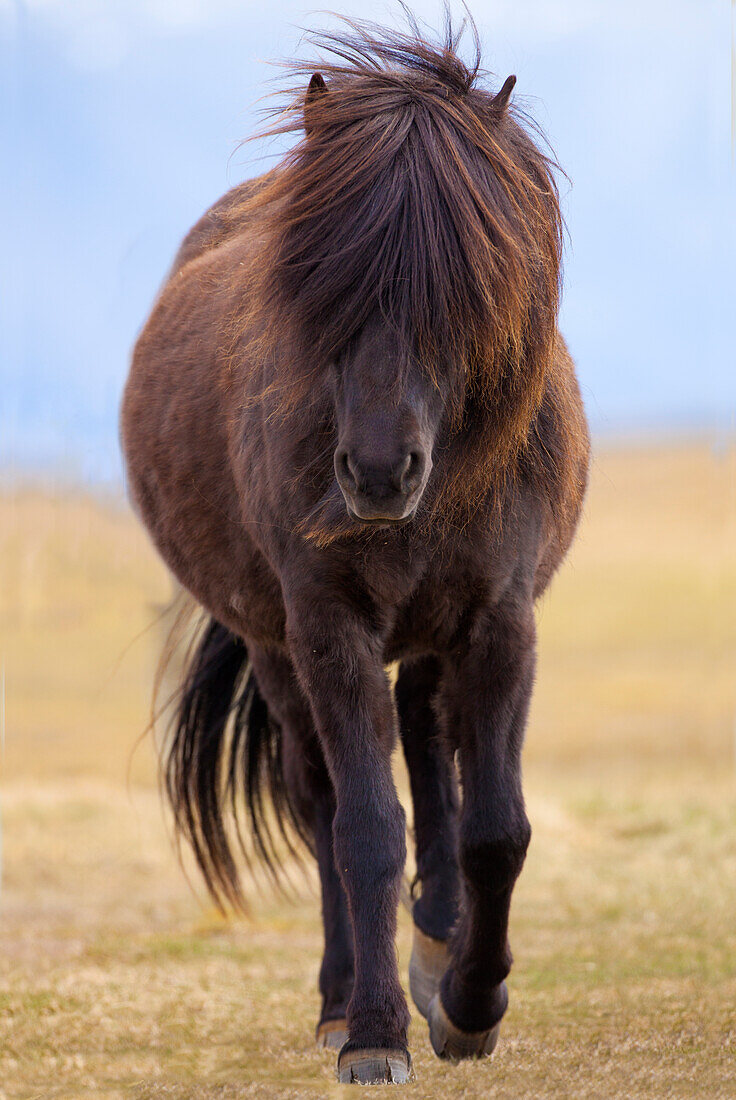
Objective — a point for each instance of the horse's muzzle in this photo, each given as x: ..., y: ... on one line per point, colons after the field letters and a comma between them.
x: 381, y: 492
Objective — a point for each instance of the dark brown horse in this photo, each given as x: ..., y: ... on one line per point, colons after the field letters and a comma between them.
x: 355, y: 435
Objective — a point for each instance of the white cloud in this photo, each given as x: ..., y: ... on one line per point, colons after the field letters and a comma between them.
x: 97, y: 33
x: 535, y: 18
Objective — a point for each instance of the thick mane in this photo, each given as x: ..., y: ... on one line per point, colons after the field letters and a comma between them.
x: 414, y: 191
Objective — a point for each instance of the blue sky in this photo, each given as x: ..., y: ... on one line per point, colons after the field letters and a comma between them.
x: 124, y: 125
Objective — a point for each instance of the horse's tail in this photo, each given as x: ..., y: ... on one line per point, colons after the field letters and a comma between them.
x: 225, y: 748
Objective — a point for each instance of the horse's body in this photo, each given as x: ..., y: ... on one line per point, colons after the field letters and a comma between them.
x: 326, y: 572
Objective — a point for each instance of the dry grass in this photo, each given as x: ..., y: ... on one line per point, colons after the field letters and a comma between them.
x: 117, y: 981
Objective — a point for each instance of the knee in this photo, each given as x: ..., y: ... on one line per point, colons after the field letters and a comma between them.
x: 370, y: 847
x: 492, y: 859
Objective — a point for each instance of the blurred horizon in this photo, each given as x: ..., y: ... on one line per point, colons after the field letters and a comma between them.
x: 124, y: 127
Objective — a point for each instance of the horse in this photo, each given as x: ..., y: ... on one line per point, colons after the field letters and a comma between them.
x: 355, y: 435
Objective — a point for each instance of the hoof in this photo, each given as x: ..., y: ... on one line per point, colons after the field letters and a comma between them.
x: 450, y: 1042
x: 429, y: 961
x: 332, y: 1034
x: 374, y: 1067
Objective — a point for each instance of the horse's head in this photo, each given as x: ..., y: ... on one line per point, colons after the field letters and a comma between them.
x: 414, y: 195
x: 388, y: 413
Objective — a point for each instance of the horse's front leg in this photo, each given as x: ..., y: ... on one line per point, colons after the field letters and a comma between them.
x: 486, y: 693
x: 338, y: 657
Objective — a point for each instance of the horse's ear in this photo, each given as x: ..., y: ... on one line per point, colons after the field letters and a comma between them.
x: 500, y: 101
x: 315, y: 90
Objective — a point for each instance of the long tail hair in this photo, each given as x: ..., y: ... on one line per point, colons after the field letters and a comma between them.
x: 223, y: 752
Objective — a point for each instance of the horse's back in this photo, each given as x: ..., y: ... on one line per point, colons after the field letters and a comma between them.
x: 178, y: 380
x: 223, y: 221
x: 175, y: 420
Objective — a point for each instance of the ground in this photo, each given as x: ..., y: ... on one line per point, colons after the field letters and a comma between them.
x: 117, y: 979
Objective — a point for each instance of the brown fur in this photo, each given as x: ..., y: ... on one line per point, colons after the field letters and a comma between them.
x: 413, y: 193
x: 385, y: 299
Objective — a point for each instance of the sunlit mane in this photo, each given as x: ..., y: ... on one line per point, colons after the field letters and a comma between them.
x: 415, y: 191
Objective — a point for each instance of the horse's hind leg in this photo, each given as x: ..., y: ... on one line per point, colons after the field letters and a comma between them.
x: 311, y: 793
x: 435, y: 799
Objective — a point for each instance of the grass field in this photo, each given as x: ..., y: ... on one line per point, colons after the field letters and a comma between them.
x: 117, y: 980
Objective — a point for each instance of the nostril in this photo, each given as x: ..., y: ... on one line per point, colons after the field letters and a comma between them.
x: 345, y: 469
x: 351, y: 470
x: 412, y: 471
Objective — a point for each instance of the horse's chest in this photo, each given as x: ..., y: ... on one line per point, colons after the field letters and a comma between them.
x: 460, y: 581
x: 428, y: 620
